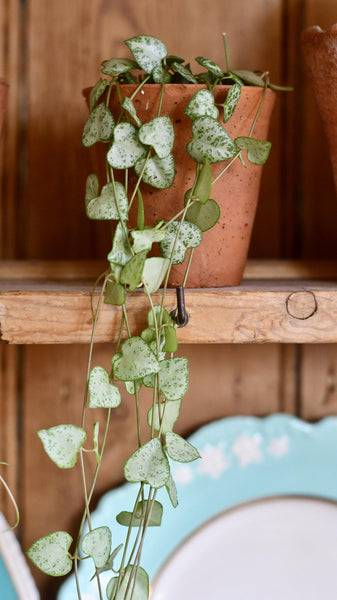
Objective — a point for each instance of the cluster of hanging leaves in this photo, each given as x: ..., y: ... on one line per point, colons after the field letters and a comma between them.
x: 145, y: 359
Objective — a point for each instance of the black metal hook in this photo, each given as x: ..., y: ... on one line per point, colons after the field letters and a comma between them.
x: 180, y: 315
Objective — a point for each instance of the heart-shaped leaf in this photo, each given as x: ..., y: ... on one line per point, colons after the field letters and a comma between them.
x: 97, y: 544
x: 160, y: 74
x: 130, y: 108
x: 50, y: 553
x: 61, y: 443
x: 203, y: 184
x: 143, y: 239
x: 126, y: 148
x: 257, y: 150
x: 132, y: 272
x: 159, y: 134
x: 184, y: 72
x: 201, y: 105
x: 121, y: 251
x: 179, y: 449
x: 135, y: 591
x: 148, y: 463
x: 190, y: 236
x: 211, y: 66
x: 171, y: 340
x: 204, y: 216
x: 135, y: 360
x: 158, y: 172
x: 99, y: 126
x: 210, y: 141
x: 91, y: 188
x: 102, y: 393
x: 104, y: 207
x: 96, y: 92
x: 173, y: 378
x: 115, y: 293
x: 231, y: 102
x: 155, y: 269
x: 172, y: 491
x: 116, y: 66
x: 249, y: 77
x: 164, y: 415
x: 133, y: 387
x: 147, y: 50
x: 135, y: 520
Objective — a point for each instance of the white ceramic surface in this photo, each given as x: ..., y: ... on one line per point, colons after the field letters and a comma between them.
x: 277, y: 549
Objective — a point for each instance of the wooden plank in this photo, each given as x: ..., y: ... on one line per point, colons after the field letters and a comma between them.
x: 252, y: 313
x: 318, y: 381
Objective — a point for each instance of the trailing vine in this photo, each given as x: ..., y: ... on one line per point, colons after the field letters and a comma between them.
x: 143, y: 359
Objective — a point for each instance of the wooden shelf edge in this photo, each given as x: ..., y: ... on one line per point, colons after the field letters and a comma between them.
x: 47, y: 305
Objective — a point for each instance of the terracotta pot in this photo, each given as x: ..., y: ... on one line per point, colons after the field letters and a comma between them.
x: 221, y: 258
x: 319, y: 49
x: 3, y: 97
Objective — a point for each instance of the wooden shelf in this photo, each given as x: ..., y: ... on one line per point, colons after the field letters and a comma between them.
x: 278, y: 301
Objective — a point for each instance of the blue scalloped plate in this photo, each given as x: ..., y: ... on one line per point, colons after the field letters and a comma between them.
x: 243, y: 459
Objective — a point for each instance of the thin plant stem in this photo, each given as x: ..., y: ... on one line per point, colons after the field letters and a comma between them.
x: 224, y: 36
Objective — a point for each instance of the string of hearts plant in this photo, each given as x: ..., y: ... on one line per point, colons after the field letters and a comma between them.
x: 146, y: 358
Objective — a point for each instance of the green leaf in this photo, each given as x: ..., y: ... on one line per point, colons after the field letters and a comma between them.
x: 126, y: 518
x: 148, y: 463
x: 249, y: 77
x: 190, y: 236
x: 211, y: 66
x: 135, y: 360
x: 133, y: 387
x: 139, y: 591
x: 172, y: 491
x: 50, y: 553
x: 126, y: 148
x: 132, y: 272
x: 155, y: 269
x: 96, y: 93
x: 165, y: 412
x: 115, y: 293
x: 97, y: 544
x: 201, y: 105
x: 96, y: 446
x: 121, y: 252
x: 116, y: 66
x: 210, y: 141
x: 171, y: 339
x: 159, y: 134
x: 143, y: 239
x: 91, y: 188
x: 130, y: 108
x: 61, y: 443
x: 203, y: 185
x: 179, y: 449
x: 257, y: 150
x: 140, y: 211
x: 204, y: 216
x: 158, y: 172
x: 98, y: 127
x: 104, y: 207
x: 185, y: 72
x: 166, y: 319
x: 103, y: 394
x: 174, y: 378
x: 160, y: 74
x: 231, y: 102
x: 147, y: 50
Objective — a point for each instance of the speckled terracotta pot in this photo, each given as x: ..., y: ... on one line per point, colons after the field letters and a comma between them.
x: 3, y: 98
x: 221, y: 258
x: 319, y: 49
